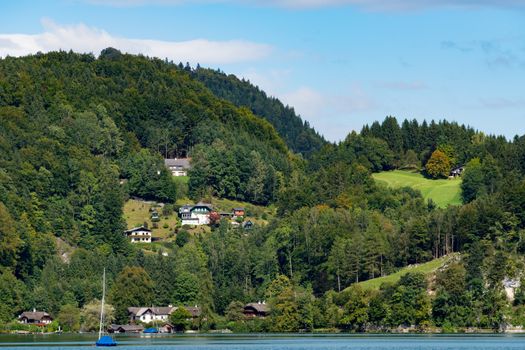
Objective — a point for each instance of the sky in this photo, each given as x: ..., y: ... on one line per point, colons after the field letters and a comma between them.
x: 339, y: 63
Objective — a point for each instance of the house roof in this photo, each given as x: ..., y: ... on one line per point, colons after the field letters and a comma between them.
x: 140, y: 228
x: 34, y: 315
x: 195, y: 311
x: 178, y: 162
x: 187, y: 207
x: 201, y: 204
x: 126, y: 327
x: 259, y: 307
x: 162, y: 310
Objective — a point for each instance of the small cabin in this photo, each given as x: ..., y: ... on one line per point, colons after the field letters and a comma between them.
x: 225, y: 214
x: 247, y: 225
x: 238, y: 212
x: 139, y: 234
x: 457, y: 171
x: 125, y: 328
x: 259, y: 309
x: 35, y: 317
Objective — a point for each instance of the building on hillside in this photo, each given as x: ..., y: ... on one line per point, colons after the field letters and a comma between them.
x: 125, y: 328
x: 457, y: 171
x: 247, y: 225
x: 139, y: 235
x: 161, y: 314
x: 259, y: 309
x: 238, y: 212
x: 35, y: 317
x: 198, y: 214
x: 225, y: 214
x: 178, y: 166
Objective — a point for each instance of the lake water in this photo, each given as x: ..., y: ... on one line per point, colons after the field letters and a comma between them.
x: 273, y: 342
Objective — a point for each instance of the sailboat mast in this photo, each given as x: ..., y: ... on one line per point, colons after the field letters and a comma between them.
x: 102, y: 304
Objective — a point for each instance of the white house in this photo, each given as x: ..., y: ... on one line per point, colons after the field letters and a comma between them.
x: 139, y: 235
x: 160, y: 314
x: 198, y: 214
x: 150, y: 314
x: 178, y: 166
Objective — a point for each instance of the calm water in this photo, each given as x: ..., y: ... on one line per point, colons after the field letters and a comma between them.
x: 273, y: 342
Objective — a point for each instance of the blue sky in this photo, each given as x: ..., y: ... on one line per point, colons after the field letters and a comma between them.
x: 339, y: 63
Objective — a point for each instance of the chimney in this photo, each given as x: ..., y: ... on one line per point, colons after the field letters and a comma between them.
x: 34, y: 310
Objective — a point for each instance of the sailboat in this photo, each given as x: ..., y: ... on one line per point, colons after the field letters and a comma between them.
x: 154, y: 329
x: 104, y: 340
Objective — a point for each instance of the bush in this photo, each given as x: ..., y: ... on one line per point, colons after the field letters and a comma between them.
x: 183, y: 237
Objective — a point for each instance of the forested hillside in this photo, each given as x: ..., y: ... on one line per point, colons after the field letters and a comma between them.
x: 297, y: 134
x: 79, y: 135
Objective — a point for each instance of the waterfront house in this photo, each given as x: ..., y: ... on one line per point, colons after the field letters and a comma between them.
x: 198, y: 214
x: 150, y: 314
x: 35, y: 317
x: 259, y: 309
x: 125, y: 328
x: 178, y: 166
x: 139, y: 235
x: 158, y: 314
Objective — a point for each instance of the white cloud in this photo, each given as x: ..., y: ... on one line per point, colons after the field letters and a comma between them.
x: 306, y: 101
x: 272, y: 81
x: 82, y: 38
x: 334, y: 116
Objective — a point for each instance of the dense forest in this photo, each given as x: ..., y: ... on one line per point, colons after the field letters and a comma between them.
x: 80, y: 134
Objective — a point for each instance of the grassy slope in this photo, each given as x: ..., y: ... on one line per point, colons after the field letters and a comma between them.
x: 137, y: 212
x: 442, y: 192
x: 426, y: 268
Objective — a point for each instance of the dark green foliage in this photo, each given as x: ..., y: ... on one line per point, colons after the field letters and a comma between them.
x: 133, y: 287
x: 179, y: 319
x: 148, y: 178
x: 453, y: 303
x: 233, y: 172
x: 297, y: 134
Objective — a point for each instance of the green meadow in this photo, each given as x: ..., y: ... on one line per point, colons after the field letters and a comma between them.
x: 427, y: 269
x: 443, y: 192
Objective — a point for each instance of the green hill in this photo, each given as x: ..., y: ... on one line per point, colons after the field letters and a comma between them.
x: 442, y: 192
x: 426, y: 268
x: 297, y: 134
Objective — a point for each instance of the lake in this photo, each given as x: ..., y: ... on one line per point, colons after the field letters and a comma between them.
x: 273, y: 342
